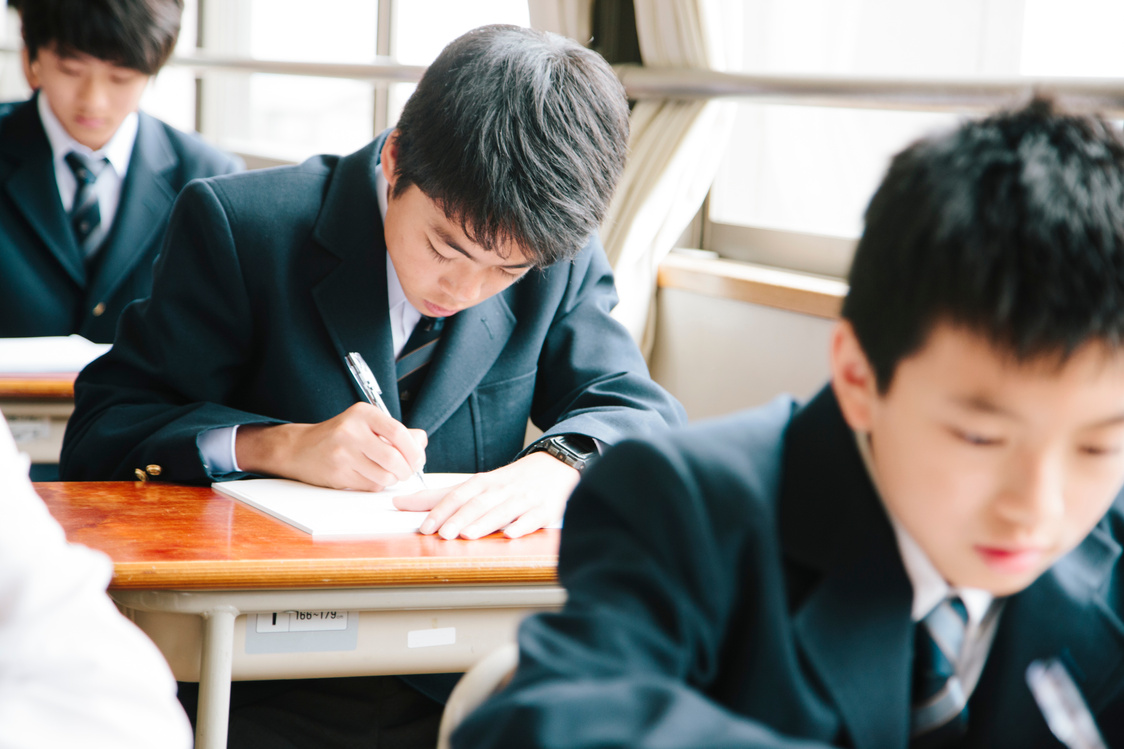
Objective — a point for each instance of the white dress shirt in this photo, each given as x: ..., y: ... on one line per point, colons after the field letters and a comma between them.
x: 930, y: 588
x: 119, y: 150
x: 216, y: 446
x: 73, y: 671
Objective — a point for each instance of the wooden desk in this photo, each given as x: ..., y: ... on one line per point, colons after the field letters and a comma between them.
x: 37, y: 408
x: 194, y: 569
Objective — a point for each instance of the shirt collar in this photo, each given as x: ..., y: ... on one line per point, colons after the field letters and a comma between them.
x: 395, y: 296
x: 929, y: 587
x: 119, y: 149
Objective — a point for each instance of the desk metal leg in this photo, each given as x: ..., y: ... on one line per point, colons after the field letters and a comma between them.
x: 214, y: 679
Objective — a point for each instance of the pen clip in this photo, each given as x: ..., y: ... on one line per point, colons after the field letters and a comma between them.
x: 364, y: 377
x: 1062, y: 705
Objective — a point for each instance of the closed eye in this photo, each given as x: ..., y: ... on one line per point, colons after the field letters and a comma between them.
x: 1098, y: 451
x: 437, y: 255
x: 975, y: 438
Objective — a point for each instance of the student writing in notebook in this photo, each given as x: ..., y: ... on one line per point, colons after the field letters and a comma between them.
x: 456, y: 253
x: 86, y: 180
x: 877, y: 568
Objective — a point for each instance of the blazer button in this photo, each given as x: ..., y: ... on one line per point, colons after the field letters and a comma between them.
x: 99, y: 309
x: 141, y: 475
x: 153, y: 470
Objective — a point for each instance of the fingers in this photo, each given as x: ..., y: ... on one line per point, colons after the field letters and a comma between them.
x: 478, y: 507
x: 409, y: 444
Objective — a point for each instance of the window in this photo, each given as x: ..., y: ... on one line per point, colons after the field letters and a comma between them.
x: 293, y: 117
x: 797, y: 179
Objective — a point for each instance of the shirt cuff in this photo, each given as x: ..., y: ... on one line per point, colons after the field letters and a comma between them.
x: 216, y: 446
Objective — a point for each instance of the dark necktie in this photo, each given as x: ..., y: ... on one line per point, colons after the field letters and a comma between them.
x: 85, y: 216
x: 939, y: 716
x: 413, y: 362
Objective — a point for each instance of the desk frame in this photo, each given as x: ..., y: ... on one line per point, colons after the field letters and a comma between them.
x: 220, y: 610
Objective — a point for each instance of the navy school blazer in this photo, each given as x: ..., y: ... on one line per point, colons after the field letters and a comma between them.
x: 45, y: 286
x: 268, y: 279
x: 738, y: 584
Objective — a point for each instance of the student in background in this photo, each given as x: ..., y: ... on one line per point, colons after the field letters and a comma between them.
x: 86, y: 181
x: 73, y: 671
x: 463, y: 245
x: 878, y: 567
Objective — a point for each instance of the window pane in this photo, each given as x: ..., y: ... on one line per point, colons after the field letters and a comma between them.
x: 171, y: 94
x: 422, y: 28
x: 291, y: 117
x: 812, y: 169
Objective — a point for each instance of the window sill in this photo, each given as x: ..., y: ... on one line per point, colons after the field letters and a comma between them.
x: 756, y: 284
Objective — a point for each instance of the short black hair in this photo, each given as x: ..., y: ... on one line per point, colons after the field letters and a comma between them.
x: 519, y: 135
x: 1011, y: 227
x: 136, y: 34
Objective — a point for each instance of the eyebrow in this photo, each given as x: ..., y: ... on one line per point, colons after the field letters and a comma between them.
x: 984, y: 405
x: 451, y: 241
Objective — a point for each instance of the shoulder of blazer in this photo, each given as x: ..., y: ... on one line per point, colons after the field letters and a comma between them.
x: 21, y: 132
x: 194, y: 157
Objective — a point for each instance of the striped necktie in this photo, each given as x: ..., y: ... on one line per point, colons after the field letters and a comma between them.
x: 413, y: 363
x: 85, y: 216
x: 939, y: 716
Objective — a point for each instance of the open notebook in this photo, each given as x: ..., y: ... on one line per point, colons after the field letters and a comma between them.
x: 336, y: 513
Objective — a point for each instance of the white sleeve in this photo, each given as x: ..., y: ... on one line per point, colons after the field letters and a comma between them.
x: 73, y: 670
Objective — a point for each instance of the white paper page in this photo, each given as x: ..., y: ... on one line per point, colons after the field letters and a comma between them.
x: 336, y: 513
x: 48, y: 354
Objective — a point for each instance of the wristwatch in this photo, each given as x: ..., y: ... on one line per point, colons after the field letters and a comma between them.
x: 574, y: 450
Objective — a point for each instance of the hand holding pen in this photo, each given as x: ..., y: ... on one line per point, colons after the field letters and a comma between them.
x: 369, y: 386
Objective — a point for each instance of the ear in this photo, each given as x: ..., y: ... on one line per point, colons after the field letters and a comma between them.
x: 388, y: 159
x: 852, y: 378
x: 30, y: 69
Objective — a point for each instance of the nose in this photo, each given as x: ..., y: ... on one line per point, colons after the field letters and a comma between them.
x: 463, y: 285
x: 1035, y: 491
x: 93, y: 93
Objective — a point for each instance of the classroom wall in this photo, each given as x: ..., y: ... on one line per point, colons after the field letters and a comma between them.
x: 718, y: 355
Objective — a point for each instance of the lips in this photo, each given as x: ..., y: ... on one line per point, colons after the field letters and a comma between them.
x: 438, y: 311
x: 1013, y: 560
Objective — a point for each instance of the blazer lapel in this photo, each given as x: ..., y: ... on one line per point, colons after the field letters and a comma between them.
x: 471, y: 344
x: 33, y: 190
x: 352, y: 297
x: 146, y: 197
x: 1087, y: 635
x: 853, y: 622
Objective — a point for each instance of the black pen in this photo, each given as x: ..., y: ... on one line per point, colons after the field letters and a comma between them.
x: 369, y: 386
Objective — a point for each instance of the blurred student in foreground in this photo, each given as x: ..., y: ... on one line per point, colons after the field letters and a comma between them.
x: 880, y: 566
x: 73, y: 671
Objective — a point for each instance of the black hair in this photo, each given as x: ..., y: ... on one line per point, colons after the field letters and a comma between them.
x: 1011, y: 227
x: 136, y: 34
x: 518, y: 135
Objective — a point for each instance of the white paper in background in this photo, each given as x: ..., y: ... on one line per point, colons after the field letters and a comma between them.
x: 49, y: 354
x: 336, y: 513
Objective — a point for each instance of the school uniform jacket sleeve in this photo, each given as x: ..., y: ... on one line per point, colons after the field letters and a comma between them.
x: 268, y: 279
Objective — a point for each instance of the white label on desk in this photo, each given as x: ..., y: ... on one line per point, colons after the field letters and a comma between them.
x: 301, y: 621
x: 317, y: 621
x: 427, y: 638
x: 29, y: 428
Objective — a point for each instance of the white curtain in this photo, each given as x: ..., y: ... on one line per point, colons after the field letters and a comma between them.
x: 674, y: 147
x: 674, y: 151
x: 572, y: 18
